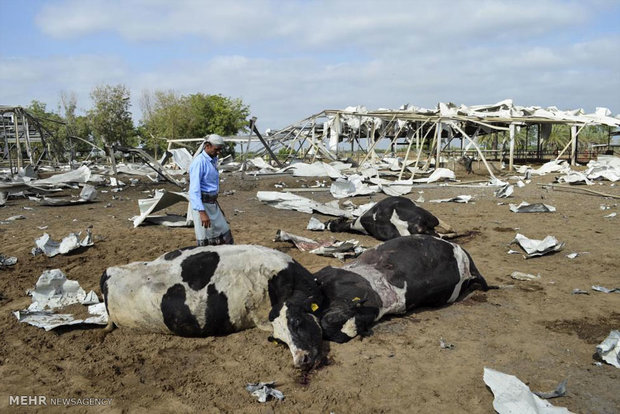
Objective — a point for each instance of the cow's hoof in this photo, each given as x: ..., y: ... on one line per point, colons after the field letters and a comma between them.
x: 101, y: 335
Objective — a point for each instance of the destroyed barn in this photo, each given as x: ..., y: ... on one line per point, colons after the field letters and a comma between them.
x: 545, y: 233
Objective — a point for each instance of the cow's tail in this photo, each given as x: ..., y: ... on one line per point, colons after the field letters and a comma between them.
x: 103, y: 285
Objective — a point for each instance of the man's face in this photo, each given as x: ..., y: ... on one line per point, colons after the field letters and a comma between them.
x: 212, y: 150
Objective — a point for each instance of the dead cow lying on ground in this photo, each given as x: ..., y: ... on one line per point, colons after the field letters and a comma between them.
x: 392, y: 278
x: 217, y: 290
x: 390, y: 218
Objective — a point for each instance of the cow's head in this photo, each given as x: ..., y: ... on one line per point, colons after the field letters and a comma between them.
x: 297, y: 325
x: 340, y: 224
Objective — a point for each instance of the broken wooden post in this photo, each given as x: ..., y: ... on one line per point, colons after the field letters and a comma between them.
x: 511, y: 146
x: 18, y: 146
x: 477, y: 149
x: 110, y: 151
x: 573, y: 148
x: 7, y: 147
x: 438, y: 131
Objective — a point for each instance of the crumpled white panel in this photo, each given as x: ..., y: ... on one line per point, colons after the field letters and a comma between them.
x: 438, y: 174
x: 535, y: 247
x: 512, y: 396
x: 288, y: 201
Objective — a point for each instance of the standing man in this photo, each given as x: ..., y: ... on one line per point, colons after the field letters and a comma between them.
x: 204, y: 184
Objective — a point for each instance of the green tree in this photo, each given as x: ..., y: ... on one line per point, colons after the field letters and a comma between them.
x: 168, y: 115
x: 559, y: 137
x: 215, y: 114
x: 110, y: 117
x: 82, y: 129
x: 594, y: 134
x: 75, y: 126
x: 53, y: 129
x: 164, y: 117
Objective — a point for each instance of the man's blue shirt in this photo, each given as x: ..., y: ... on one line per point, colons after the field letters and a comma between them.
x: 203, y: 178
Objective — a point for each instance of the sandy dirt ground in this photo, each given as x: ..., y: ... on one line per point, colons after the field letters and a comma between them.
x: 536, y: 330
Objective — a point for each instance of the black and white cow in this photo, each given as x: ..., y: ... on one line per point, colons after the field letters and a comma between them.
x: 390, y: 218
x: 392, y: 278
x: 216, y: 290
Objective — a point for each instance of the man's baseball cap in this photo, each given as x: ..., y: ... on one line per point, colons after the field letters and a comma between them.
x: 215, y: 140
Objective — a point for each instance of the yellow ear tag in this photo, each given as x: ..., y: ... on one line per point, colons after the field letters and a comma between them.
x: 355, y: 299
x: 314, y: 307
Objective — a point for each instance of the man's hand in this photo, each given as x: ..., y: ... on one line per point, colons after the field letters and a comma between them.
x: 204, y: 219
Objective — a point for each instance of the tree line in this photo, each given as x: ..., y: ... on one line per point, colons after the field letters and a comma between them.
x: 165, y: 115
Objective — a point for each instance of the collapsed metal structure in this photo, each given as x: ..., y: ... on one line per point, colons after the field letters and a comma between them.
x: 322, y: 134
x: 19, y: 130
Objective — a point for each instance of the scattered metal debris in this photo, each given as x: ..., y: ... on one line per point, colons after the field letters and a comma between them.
x: 335, y: 248
x: 526, y: 207
x: 609, y: 349
x: 52, y: 292
x: 445, y: 345
x: 51, y: 248
x: 160, y: 201
x: 580, y: 292
x: 524, y: 276
x: 87, y: 195
x: 264, y: 390
x: 458, y: 199
x: 317, y: 169
x: 535, y: 248
x: 315, y: 224
x: 13, y: 218
x: 353, y: 185
x: 560, y: 391
x: 7, y: 261
x: 80, y: 175
x: 504, y: 191
x: 575, y: 254
x: 603, y: 289
x: 288, y: 201
x: 442, y: 174
x: 513, y: 396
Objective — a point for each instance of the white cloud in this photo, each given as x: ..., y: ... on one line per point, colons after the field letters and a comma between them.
x: 24, y: 79
x: 332, y: 25
x: 291, y: 59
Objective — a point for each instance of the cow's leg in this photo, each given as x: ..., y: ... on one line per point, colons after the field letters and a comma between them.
x: 103, y: 333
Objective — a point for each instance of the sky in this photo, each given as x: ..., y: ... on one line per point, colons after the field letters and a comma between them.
x: 289, y: 59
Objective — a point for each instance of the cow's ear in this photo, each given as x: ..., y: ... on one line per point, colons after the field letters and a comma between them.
x: 275, y: 311
x: 312, y: 304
